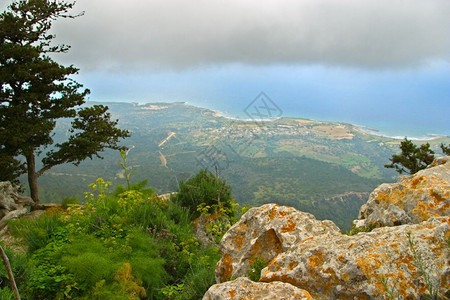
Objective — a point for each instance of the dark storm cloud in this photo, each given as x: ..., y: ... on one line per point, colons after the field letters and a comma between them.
x: 180, y: 33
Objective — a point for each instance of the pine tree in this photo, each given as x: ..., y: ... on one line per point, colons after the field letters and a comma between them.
x: 445, y: 149
x: 36, y: 91
x: 412, y: 159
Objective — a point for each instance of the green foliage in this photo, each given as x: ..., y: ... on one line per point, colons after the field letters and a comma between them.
x: 198, y: 279
x: 412, y: 159
x: 126, y: 169
x: 6, y: 294
x: 445, y: 149
x: 205, y: 188
x: 173, y: 292
x: 123, y: 245
x: 68, y: 201
x: 219, y: 221
x: 10, y: 168
x: 355, y: 230
x: 36, y: 233
x: 254, y: 272
x: 19, y: 268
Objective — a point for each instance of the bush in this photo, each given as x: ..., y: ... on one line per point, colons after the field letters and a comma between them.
x: 207, y: 189
x: 66, y: 202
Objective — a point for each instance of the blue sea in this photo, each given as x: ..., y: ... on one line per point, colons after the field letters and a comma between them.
x: 376, y: 118
x: 405, y: 103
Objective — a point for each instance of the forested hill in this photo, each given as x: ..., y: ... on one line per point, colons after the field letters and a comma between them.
x: 321, y: 167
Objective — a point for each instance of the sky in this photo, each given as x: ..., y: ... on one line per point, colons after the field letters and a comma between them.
x: 379, y: 63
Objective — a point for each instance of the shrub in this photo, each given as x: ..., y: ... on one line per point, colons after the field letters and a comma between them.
x: 205, y: 188
x: 36, y: 233
x: 66, y: 202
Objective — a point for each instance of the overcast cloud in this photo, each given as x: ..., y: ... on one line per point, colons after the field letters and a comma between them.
x: 180, y: 33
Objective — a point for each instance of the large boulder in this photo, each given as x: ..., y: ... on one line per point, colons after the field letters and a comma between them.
x: 413, y: 199
x: 370, y: 264
x: 244, y: 288
x: 264, y: 232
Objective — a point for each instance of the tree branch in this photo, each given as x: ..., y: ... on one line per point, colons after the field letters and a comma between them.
x: 12, y: 282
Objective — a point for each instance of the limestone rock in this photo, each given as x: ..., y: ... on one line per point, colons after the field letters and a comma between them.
x: 10, y: 199
x: 7, y: 193
x: 12, y: 205
x: 244, y: 288
x: 265, y: 232
x: 354, y: 267
x: 413, y: 199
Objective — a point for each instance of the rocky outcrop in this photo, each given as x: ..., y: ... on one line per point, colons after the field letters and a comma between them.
x: 244, y: 288
x: 413, y: 199
x: 404, y: 261
x: 265, y: 232
x: 368, y: 265
x: 12, y: 205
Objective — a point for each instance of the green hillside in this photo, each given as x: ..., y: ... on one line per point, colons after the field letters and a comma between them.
x: 297, y: 162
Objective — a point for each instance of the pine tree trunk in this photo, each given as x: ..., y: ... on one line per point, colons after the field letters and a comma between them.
x: 32, y: 178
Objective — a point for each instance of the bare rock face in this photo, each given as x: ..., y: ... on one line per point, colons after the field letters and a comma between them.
x: 368, y: 265
x: 12, y: 205
x: 265, y: 232
x: 244, y: 288
x: 7, y: 193
x: 413, y: 199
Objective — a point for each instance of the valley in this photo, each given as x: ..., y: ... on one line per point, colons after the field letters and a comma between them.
x: 324, y: 168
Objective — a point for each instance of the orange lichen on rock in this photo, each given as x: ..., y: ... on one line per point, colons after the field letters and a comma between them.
x: 227, y: 267
x: 396, y: 197
x: 289, y: 227
x: 422, y: 211
x: 273, y: 212
x: 268, y: 241
x: 232, y: 294
x: 307, y: 239
x: 242, y: 228
x: 416, y: 181
x: 283, y: 278
x: 239, y: 241
x: 315, y: 260
x: 292, y: 265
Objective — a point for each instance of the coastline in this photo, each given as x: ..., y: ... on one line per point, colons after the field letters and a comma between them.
x: 360, y: 128
x: 371, y: 131
x: 226, y: 115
